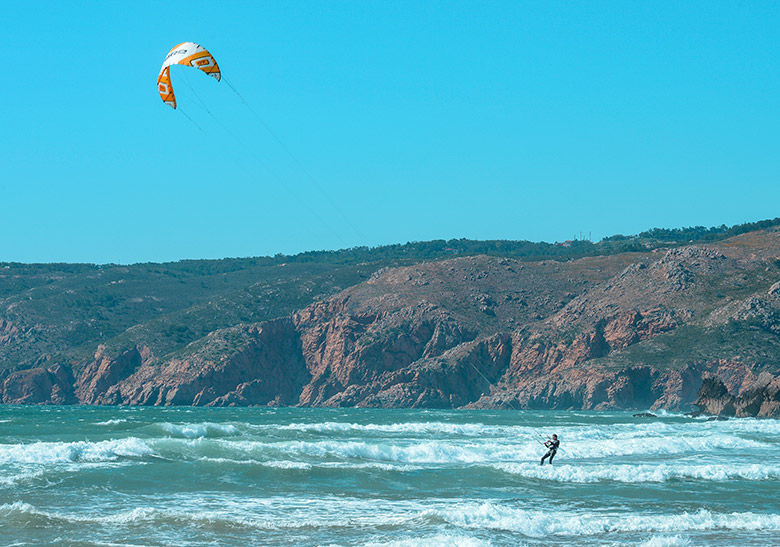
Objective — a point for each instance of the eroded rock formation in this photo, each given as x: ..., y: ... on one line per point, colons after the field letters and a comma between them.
x: 759, y: 399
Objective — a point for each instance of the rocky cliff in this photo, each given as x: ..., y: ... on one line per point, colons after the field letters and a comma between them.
x: 760, y: 398
x: 633, y: 330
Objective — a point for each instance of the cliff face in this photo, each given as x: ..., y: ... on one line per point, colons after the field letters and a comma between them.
x: 7, y: 332
x: 640, y: 330
x: 38, y: 385
x: 254, y: 364
x: 761, y: 398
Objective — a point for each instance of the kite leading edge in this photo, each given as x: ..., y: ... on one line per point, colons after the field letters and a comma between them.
x: 187, y: 54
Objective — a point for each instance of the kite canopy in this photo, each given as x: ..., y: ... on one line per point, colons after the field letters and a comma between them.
x: 187, y: 54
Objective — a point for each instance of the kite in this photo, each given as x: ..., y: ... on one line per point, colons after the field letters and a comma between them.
x: 187, y: 54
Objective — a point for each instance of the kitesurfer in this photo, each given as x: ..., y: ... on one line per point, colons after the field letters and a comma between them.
x: 552, y: 448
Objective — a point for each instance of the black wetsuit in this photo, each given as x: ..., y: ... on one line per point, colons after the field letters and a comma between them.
x: 553, y: 449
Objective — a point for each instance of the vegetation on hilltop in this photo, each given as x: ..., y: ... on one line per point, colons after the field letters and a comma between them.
x: 695, y: 233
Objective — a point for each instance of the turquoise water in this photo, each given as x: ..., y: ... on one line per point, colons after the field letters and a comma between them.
x: 194, y: 476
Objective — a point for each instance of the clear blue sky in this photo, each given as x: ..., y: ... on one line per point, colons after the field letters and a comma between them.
x: 406, y: 121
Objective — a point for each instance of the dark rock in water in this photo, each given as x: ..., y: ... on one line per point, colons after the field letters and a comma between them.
x: 645, y: 415
x: 717, y: 418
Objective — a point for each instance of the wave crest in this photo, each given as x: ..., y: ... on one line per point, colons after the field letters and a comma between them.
x: 198, y: 430
x: 79, y: 451
x: 542, y: 524
x: 642, y: 473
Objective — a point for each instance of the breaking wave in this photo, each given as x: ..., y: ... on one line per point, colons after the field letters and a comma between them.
x: 439, y: 540
x: 79, y: 451
x: 112, y: 422
x: 642, y: 473
x: 546, y: 523
x: 20, y: 476
x: 414, y: 428
x: 481, y: 451
x: 578, y: 461
x: 194, y: 431
x: 333, y: 513
x: 275, y: 515
x: 387, y: 479
x: 666, y: 541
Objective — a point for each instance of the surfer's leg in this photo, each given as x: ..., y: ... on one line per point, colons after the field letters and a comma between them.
x: 552, y: 455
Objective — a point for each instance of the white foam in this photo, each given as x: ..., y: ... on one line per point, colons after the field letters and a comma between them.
x: 442, y: 540
x: 274, y: 514
x: 474, y: 451
x: 752, y: 426
x: 112, y: 422
x: 205, y: 439
x: 478, y: 429
x: 138, y: 514
x: 660, y: 437
x: 19, y: 476
x: 663, y: 413
x: 274, y: 464
x: 284, y: 513
x: 492, y: 443
x: 392, y: 467
x: 416, y: 428
x: 642, y: 473
x: 16, y: 507
x: 545, y: 523
x: 288, y: 465
x: 661, y: 445
x: 420, y: 452
x: 80, y: 451
x: 205, y: 429
x: 666, y: 541
x: 291, y: 464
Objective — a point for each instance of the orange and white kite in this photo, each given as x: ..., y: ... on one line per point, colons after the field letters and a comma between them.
x: 187, y: 54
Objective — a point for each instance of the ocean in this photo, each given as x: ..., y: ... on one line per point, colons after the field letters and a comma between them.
x: 76, y: 475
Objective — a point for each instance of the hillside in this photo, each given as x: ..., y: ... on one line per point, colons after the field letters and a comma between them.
x: 624, y: 323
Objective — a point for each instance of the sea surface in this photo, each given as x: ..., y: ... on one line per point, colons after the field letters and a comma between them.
x: 258, y: 476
